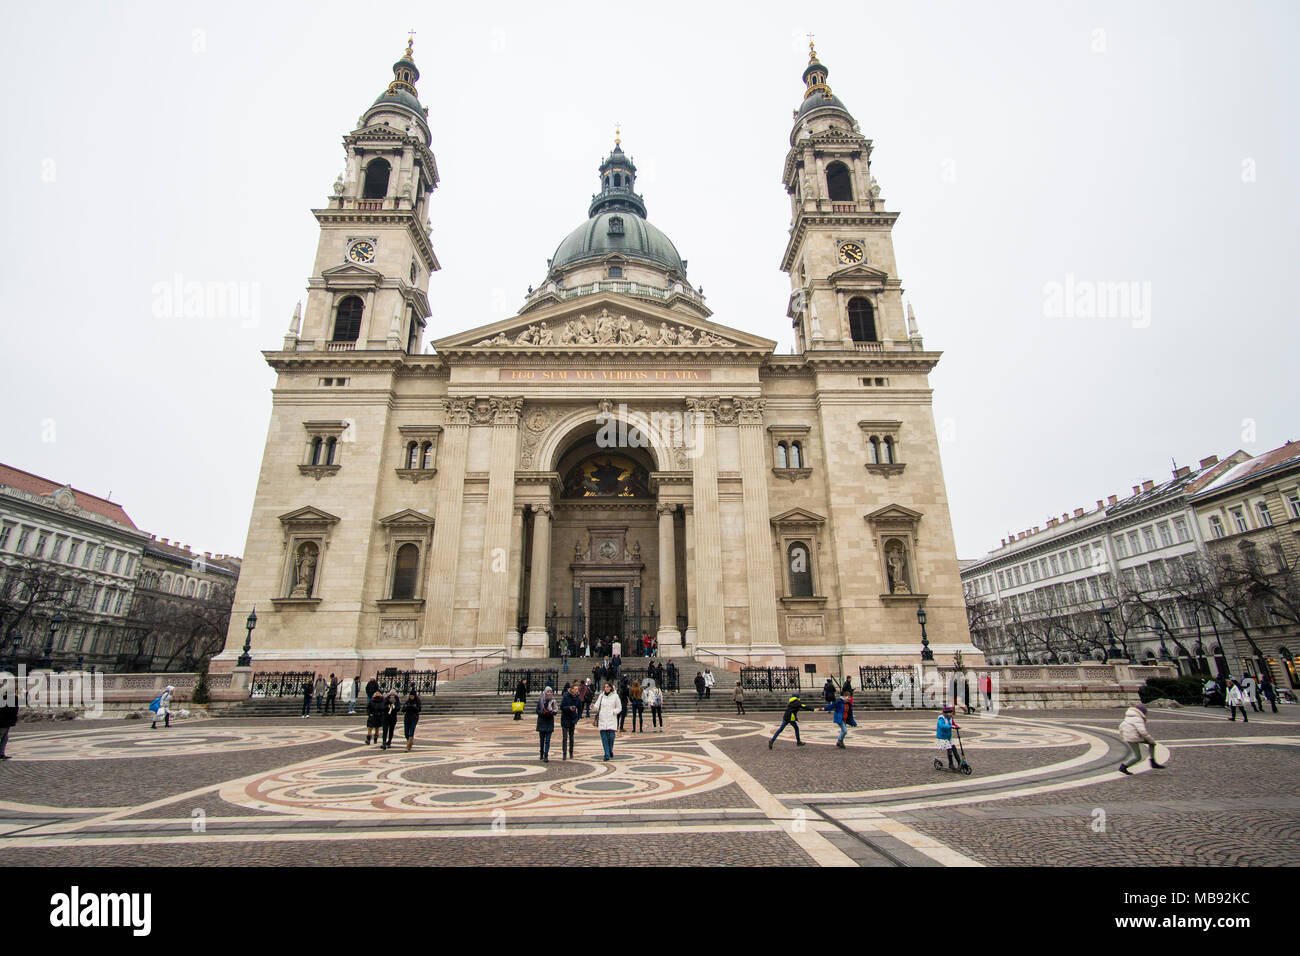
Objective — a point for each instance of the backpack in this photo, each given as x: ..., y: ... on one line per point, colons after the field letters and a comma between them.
x: 157, y: 704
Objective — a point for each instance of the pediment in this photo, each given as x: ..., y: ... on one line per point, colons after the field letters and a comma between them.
x: 797, y: 516
x: 308, y: 515
x: 858, y: 274
x: 894, y: 514
x: 407, y: 517
x: 351, y: 270
x: 604, y: 322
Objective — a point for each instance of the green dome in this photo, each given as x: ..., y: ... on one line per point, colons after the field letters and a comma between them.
x: 818, y: 101
x: 638, y: 240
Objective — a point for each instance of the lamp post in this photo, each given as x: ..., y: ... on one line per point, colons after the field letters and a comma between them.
x: 926, y: 653
x: 1112, y: 651
x: 245, y: 659
x: 1020, y: 644
x: 47, y: 662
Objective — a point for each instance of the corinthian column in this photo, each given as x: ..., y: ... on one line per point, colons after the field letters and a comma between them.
x: 535, y: 638
x: 708, y: 533
x: 494, y: 580
x: 669, y: 637
x: 437, y: 637
x: 760, y: 570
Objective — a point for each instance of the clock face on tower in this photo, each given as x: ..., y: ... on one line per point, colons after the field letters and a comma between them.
x: 362, y: 250
x: 850, y: 253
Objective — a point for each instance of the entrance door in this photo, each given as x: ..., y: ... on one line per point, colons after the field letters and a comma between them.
x: 606, y: 617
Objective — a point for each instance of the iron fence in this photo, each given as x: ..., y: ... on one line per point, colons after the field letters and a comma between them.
x: 882, y: 677
x: 508, y: 680
x: 424, y: 683
x: 770, y: 678
x: 280, y: 683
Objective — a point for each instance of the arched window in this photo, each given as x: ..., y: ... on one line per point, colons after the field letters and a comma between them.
x: 796, y: 455
x: 781, y: 460
x: 839, y: 185
x: 412, y: 455
x: 862, y: 320
x: 376, y: 186
x: 347, y: 321
x: 426, y: 455
x: 189, y: 589
x: 887, y: 450
x: 330, y: 446
x: 873, y: 450
x: 618, y: 180
x: 799, y: 563
x: 316, y: 445
x: 408, y: 561
x: 177, y: 585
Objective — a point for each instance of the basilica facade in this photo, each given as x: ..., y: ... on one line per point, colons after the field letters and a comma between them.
x: 611, y: 462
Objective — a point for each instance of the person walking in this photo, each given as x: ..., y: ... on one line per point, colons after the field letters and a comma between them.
x: 624, y: 692
x: 8, y: 711
x: 521, y: 697
x: 608, y: 709
x: 986, y: 685
x: 847, y: 689
x: 738, y: 697
x: 1133, y: 729
x: 564, y: 657
x: 306, y: 698
x: 392, y: 707
x: 321, y: 687
x: 709, y: 681
x: 943, y: 729
x: 165, y: 707
x: 351, y: 687
x: 547, y: 708
x: 374, y: 716
x: 372, y: 685
x: 1268, y: 692
x: 570, y: 712
x: 654, y: 698
x: 828, y: 691
x: 699, y: 686
x: 672, y: 677
x: 332, y: 696
x: 638, y: 707
x: 1236, y: 701
x: 791, y: 718
x: 586, y: 691
x: 841, y: 709
x: 1249, y: 695
x: 410, y: 717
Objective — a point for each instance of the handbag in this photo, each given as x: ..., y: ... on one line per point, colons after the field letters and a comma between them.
x: 517, y: 707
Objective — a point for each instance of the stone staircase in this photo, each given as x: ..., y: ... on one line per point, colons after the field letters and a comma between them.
x: 476, y: 694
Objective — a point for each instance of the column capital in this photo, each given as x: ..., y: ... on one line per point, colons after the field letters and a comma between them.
x: 542, y: 508
x: 705, y: 410
x: 664, y: 508
x: 456, y: 411
x: 505, y: 411
x: 751, y: 410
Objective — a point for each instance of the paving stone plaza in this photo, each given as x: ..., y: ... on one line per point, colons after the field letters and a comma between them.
x: 706, y: 791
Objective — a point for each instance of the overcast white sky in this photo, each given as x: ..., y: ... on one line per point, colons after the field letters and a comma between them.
x: 1022, y: 142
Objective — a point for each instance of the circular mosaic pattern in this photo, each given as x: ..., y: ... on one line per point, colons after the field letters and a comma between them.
x: 988, y: 735
x: 143, y: 741
x: 470, y: 769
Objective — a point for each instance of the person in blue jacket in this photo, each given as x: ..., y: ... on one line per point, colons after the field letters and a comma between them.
x: 943, y: 732
x: 842, y: 713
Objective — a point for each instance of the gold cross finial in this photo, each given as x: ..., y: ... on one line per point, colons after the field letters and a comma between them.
x: 812, y: 52
x: 410, y: 42
x: 618, y: 128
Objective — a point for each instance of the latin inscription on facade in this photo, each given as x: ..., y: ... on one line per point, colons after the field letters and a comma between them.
x: 570, y: 376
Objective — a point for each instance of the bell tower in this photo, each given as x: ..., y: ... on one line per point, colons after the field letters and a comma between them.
x: 845, y: 291
x: 369, y: 285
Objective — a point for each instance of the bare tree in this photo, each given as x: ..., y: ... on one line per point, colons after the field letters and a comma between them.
x: 31, y: 592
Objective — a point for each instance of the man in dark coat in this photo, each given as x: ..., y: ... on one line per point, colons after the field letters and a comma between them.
x: 699, y: 685
x: 8, y: 712
x: 672, y: 676
x: 372, y: 685
x: 570, y: 712
x: 332, y: 695
x: 828, y: 691
x: 521, y: 696
x: 791, y: 717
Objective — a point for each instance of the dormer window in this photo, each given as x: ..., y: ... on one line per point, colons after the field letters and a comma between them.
x: 616, y: 272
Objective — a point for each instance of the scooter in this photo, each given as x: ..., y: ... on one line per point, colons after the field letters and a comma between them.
x: 962, y: 766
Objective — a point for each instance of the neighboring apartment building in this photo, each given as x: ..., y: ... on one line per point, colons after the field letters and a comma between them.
x: 55, y: 537
x: 1059, y: 591
x: 1252, y: 513
x: 80, y: 556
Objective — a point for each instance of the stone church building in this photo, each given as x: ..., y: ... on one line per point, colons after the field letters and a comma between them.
x: 610, y: 462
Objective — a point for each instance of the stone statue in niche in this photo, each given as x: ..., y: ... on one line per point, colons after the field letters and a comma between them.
x: 896, y: 562
x: 304, y: 571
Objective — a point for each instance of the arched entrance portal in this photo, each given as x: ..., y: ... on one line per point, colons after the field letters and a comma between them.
x: 605, y: 550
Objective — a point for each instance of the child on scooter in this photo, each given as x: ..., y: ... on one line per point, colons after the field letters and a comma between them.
x: 943, y: 733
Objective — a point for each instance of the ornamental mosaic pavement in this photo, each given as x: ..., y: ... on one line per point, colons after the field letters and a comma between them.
x: 223, y: 791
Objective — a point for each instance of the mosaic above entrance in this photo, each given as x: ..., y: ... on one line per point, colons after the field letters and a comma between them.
x: 607, y: 476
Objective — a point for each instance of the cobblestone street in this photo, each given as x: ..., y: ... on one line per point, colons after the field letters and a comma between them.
x: 472, y: 791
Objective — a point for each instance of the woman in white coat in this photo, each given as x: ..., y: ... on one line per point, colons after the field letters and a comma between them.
x: 164, y: 708
x: 608, y: 707
x: 1236, y: 700
x: 1133, y: 729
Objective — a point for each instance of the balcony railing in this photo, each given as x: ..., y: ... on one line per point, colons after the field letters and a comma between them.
x: 340, y: 346
x: 869, y: 346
